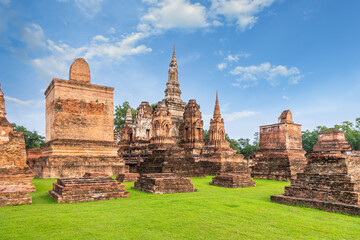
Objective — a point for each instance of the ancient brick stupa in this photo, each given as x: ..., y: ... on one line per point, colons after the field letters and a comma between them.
x: 79, y: 127
x: 15, y: 175
x: 169, y: 138
x: 331, y: 180
x: 217, y: 156
x: 280, y: 155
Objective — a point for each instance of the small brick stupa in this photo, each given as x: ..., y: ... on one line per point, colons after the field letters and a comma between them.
x: 79, y: 128
x: 280, y: 155
x: 15, y: 175
x: 331, y: 180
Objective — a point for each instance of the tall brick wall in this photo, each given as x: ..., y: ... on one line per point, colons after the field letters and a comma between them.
x: 75, y: 110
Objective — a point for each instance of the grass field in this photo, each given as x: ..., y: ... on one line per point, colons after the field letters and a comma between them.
x: 210, y: 213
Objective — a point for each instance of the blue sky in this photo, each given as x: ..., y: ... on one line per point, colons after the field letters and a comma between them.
x: 262, y: 56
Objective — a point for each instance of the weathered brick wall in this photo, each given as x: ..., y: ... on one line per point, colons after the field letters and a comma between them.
x: 75, y: 110
x: 280, y: 136
x: 13, y: 153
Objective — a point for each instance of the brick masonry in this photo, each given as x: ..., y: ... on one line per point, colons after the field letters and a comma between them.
x: 86, y: 189
x: 330, y: 181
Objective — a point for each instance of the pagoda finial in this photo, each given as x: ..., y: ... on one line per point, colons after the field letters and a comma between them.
x: 217, y: 113
x: 2, y: 104
x: 173, y: 62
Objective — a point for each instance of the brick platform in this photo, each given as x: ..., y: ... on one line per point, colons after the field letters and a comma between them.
x: 10, y: 196
x: 330, y: 181
x: 233, y: 180
x: 160, y: 183
x: 70, y: 190
x: 127, y: 177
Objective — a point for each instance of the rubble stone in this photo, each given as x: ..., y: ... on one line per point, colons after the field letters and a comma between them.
x: 233, y: 180
x: 127, y: 177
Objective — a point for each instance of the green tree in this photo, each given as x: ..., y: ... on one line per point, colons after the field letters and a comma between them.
x: 120, y: 114
x: 233, y: 143
x: 352, y: 132
x: 309, y: 138
x: 246, y: 148
x: 206, y: 135
x: 32, y: 138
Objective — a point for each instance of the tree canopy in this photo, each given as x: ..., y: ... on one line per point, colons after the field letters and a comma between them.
x: 120, y: 114
x: 32, y: 138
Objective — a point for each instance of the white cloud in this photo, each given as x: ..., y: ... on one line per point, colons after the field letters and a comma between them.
x: 222, y: 66
x: 235, y: 58
x: 285, y: 98
x: 238, y: 115
x: 88, y: 7
x: 242, y: 11
x: 250, y: 75
x: 27, y: 104
x: 100, y: 38
x: 167, y: 14
x: 33, y: 36
x: 57, y: 62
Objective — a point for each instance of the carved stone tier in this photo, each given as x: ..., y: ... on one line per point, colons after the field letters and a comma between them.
x: 160, y: 183
x: 73, y: 158
x: 86, y: 189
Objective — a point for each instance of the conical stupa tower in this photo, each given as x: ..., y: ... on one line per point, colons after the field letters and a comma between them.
x: 173, y: 101
x: 217, y: 128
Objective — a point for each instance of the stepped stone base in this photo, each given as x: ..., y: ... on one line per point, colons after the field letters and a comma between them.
x: 127, y: 177
x: 278, y: 165
x: 11, y: 196
x: 77, y: 166
x: 233, y: 180
x: 160, y: 183
x: 70, y: 190
x: 318, y: 204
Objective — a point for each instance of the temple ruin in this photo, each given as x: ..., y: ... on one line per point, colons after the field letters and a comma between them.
x: 280, y: 155
x: 15, y: 174
x: 331, y: 178
x: 79, y: 128
x: 169, y: 138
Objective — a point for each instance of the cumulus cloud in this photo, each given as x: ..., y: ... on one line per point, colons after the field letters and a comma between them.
x: 236, y: 57
x: 251, y: 75
x: 27, y: 104
x: 60, y: 55
x: 243, y: 12
x: 168, y: 14
x: 229, y: 117
x: 222, y: 66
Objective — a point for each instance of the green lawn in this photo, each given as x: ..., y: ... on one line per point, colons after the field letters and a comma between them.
x: 211, y: 213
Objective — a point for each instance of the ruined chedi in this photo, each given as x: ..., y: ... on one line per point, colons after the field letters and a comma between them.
x: 15, y: 175
x: 173, y: 100
x: 280, y: 155
x: 331, y: 179
x: 79, y: 127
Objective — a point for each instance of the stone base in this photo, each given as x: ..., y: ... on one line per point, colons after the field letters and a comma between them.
x: 160, y: 183
x: 70, y: 190
x: 14, y: 196
x: 233, y: 180
x: 278, y: 165
x: 127, y: 177
x: 77, y: 166
x: 323, y: 205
